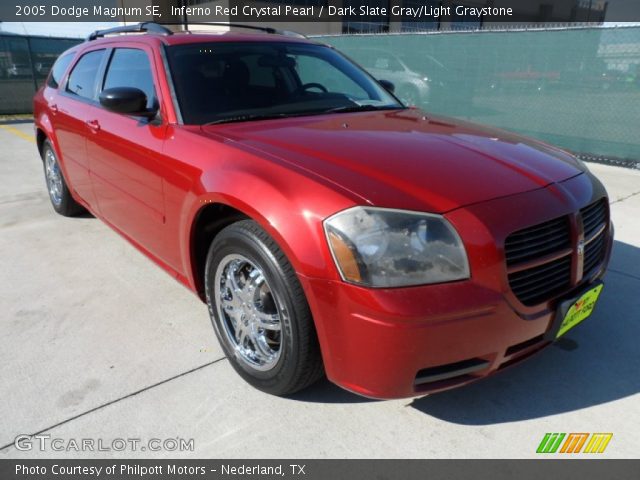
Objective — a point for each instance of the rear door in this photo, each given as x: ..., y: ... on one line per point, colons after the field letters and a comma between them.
x: 125, y: 153
x: 70, y: 110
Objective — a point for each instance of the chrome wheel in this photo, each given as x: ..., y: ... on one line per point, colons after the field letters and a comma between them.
x: 54, y: 177
x: 248, y: 310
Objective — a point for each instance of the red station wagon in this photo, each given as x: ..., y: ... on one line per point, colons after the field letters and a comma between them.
x: 330, y: 228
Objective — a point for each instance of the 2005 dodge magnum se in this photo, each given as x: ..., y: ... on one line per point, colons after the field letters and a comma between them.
x: 329, y: 228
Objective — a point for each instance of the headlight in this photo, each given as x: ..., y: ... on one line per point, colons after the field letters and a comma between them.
x: 380, y: 247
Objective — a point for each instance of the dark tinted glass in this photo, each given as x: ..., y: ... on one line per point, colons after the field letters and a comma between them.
x: 58, y: 70
x: 82, y: 80
x: 216, y: 82
x: 131, y: 68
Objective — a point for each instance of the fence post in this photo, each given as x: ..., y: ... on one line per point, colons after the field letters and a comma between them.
x: 33, y: 69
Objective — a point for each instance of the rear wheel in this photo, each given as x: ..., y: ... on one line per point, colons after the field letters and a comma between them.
x: 259, y: 311
x: 61, y: 199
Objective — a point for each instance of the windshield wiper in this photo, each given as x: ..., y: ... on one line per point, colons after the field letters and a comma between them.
x: 360, y: 108
x: 270, y: 116
x: 249, y: 117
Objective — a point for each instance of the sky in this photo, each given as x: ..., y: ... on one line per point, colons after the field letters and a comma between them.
x: 55, y: 29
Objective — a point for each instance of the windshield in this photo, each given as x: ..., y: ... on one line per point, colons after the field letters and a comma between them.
x: 226, y: 82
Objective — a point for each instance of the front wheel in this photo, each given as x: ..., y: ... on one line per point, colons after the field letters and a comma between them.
x: 259, y: 311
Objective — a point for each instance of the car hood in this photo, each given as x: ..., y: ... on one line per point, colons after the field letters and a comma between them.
x: 404, y: 158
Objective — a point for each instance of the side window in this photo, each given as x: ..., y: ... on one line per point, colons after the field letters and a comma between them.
x: 382, y: 63
x: 82, y: 80
x: 387, y: 63
x: 58, y: 70
x: 130, y: 67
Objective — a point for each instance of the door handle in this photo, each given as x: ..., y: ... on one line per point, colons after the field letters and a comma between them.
x: 54, y: 108
x: 93, y: 125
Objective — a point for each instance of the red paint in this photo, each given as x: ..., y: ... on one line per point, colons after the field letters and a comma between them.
x: 149, y: 183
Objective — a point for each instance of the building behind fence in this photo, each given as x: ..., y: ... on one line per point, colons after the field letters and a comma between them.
x: 25, y: 62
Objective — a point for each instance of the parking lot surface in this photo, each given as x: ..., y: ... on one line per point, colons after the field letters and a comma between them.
x: 96, y: 342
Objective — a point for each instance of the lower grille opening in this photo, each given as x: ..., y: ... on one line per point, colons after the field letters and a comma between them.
x: 526, y: 355
x: 513, y: 349
x: 450, y: 370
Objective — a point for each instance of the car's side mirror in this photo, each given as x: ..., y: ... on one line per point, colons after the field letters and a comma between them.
x: 127, y: 100
x: 387, y: 85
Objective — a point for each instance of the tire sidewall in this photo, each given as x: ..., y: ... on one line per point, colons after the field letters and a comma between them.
x: 66, y: 195
x: 243, y: 242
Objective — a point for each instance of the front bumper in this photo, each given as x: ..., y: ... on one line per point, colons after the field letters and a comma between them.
x: 403, y: 342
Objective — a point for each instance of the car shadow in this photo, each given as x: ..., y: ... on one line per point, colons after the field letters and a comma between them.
x: 84, y: 215
x: 595, y: 363
x: 326, y: 392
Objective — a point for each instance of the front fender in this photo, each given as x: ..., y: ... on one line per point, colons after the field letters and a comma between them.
x: 289, y: 209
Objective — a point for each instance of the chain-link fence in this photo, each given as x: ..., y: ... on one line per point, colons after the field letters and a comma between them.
x: 578, y: 88
x: 24, y: 64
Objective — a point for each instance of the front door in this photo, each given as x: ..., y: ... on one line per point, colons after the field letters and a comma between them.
x: 125, y: 153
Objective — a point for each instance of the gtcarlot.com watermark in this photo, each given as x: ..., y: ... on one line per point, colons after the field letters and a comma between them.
x: 46, y: 443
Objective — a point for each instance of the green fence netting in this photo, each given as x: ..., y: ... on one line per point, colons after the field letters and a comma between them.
x: 25, y: 62
x: 577, y: 88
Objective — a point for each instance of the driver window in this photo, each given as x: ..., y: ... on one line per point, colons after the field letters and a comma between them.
x: 130, y: 67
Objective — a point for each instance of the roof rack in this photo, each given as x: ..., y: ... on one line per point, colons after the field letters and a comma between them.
x: 160, y: 29
x: 270, y: 30
x: 150, y: 27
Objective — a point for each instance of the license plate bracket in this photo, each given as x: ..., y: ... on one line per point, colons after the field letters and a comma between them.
x: 575, y: 310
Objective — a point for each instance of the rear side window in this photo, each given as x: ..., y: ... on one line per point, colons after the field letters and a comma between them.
x: 58, y: 70
x: 130, y: 67
x: 82, y: 80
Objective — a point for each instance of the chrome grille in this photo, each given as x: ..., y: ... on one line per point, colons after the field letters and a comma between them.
x: 537, y: 241
x: 594, y: 216
x: 538, y: 284
x: 543, y: 281
x: 594, y: 219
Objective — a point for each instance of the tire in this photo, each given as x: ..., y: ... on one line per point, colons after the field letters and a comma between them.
x: 259, y: 311
x: 59, y: 194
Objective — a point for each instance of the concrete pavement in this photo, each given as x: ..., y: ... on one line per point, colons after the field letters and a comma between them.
x: 96, y: 342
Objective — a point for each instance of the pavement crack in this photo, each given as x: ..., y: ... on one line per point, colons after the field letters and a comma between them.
x: 622, y: 199
x: 104, y: 405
